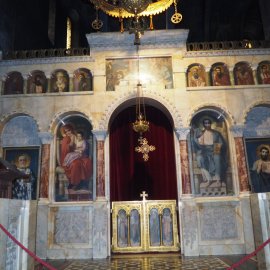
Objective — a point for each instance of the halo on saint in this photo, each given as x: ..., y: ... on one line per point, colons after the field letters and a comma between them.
x: 260, y: 147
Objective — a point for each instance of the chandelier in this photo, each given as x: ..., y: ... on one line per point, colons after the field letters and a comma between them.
x: 135, y: 10
x: 141, y: 125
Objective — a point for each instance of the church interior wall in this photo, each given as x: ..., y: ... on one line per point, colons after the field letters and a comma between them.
x: 261, y: 219
x: 231, y: 214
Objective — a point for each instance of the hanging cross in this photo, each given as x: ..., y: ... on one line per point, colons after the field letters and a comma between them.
x: 145, y: 148
x: 144, y: 195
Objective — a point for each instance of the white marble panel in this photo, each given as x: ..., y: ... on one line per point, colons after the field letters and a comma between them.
x: 216, y: 227
x: 100, y: 230
x: 189, y: 234
x: 3, y: 238
x: 19, y: 218
x: 247, y: 224
x: 42, y: 231
x: 260, y: 205
x: 70, y: 232
x: 218, y: 222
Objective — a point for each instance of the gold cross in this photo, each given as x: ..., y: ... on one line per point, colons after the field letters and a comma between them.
x: 144, y: 195
x: 145, y: 148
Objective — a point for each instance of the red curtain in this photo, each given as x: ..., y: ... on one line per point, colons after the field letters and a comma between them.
x: 129, y: 173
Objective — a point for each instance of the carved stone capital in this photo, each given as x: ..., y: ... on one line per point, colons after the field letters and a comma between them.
x: 45, y: 137
x: 4, y: 77
x: 237, y: 130
x: 254, y: 67
x: 100, y: 135
x: 182, y: 133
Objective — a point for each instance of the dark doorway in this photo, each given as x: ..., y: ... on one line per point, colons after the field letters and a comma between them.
x: 129, y: 173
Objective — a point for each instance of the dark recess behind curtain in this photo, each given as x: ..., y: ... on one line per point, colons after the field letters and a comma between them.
x: 129, y: 174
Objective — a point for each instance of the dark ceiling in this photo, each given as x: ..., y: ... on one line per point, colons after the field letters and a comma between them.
x: 25, y: 24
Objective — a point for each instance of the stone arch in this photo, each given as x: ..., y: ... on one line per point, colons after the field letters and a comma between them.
x: 222, y: 111
x: 62, y: 115
x: 257, y: 120
x: 142, y: 175
x: 7, y: 117
x: 151, y: 98
x: 20, y: 129
x: 253, y: 105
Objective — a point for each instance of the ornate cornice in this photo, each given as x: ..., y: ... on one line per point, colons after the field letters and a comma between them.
x: 191, y: 54
x: 42, y: 61
x: 151, y: 39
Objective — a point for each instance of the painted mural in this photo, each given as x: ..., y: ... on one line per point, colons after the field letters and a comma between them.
x: 122, y: 227
x: 154, y: 227
x: 196, y: 76
x: 263, y: 72
x: 26, y: 160
x: 243, y: 74
x: 60, y: 81
x: 36, y: 82
x: 210, y: 155
x: 220, y: 75
x: 74, y: 168
x: 124, y: 72
x: 82, y: 80
x: 258, y: 155
x: 13, y: 83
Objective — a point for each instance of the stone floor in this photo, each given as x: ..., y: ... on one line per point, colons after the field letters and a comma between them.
x: 155, y: 262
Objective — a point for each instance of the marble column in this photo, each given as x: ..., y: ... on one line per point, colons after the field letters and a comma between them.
x: 237, y: 132
x: 48, y: 77
x: 25, y: 78
x: 46, y: 139
x: 185, y: 172
x: 100, y: 136
x: 2, y: 85
x: 70, y: 76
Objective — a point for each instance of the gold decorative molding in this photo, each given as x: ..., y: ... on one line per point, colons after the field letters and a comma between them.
x: 116, y: 11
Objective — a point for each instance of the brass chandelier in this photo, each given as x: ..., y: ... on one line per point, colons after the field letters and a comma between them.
x: 135, y: 10
x: 141, y: 125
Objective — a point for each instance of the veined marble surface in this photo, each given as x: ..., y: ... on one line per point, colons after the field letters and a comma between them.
x: 19, y: 218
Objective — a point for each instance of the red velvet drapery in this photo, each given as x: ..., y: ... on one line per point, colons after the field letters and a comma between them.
x: 129, y: 174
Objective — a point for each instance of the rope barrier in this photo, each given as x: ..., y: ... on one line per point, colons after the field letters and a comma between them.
x: 52, y: 268
x: 33, y: 255
x: 249, y: 255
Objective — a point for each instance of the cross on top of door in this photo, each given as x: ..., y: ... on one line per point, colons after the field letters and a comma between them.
x: 144, y: 195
